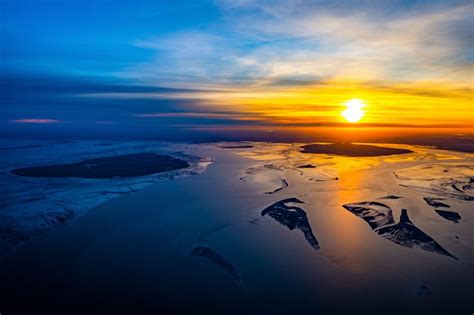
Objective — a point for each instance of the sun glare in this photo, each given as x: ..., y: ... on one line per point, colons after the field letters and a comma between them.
x: 353, y: 113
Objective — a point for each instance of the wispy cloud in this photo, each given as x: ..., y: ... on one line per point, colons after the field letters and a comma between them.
x: 296, y: 61
x: 203, y: 115
x: 284, y: 41
x: 36, y: 121
x: 282, y: 62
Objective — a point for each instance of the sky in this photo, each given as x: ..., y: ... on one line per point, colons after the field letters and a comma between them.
x: 153, y: 69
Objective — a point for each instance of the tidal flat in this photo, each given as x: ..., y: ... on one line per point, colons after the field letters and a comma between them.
x: 211, y: 238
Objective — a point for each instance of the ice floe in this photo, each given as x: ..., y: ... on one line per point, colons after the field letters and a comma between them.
x: 445, y: 180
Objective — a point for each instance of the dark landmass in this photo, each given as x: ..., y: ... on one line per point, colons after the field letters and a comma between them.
x: 243, y: 146
x: 376, y: 214
x: 467, y: 147
x: 449, y: 215
x: 216, y: 258
x: 128, y: 165
x: 315, y: 179
x: 353, y: 150
x: 292, y: 217
x: 436, y: 202
x: 31, y: 146
x: 284, y: 184
x: 405, y: 233
x: 390, y: 197
x: 307, y: 166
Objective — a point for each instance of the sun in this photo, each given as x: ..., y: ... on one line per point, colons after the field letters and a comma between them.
x: 353, y: 113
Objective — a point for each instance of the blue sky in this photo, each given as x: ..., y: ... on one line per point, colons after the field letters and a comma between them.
x: 98, y: 64
x: 89, y: 37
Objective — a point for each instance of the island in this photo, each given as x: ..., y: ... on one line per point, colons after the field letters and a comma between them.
x: 120, y: 166
x: 352, y: 150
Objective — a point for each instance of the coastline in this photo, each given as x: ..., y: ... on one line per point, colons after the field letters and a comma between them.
x: 144, y: 240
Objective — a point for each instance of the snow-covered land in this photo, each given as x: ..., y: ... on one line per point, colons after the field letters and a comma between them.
x: 31, y: 205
